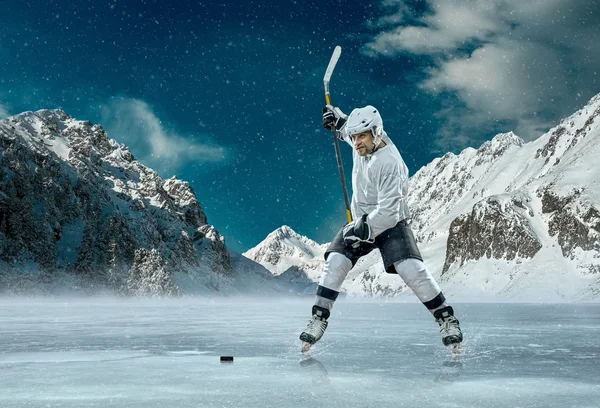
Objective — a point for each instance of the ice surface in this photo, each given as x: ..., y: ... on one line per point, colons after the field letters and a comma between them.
x: 165, y: 353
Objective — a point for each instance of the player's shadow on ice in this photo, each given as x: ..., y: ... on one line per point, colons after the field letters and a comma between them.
x: 317, y: 370
x: 449, y: 371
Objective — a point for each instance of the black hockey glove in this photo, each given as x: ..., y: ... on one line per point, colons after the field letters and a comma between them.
x: 357, y: 232
x: 333, y: 117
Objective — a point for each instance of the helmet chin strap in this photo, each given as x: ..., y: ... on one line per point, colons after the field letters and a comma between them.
x: 374, y: 149
x: 377, y: 139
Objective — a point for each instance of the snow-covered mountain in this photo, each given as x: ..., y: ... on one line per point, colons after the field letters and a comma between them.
x: 295, y: 261
x: 516, y: 219
x: 78, y: 212
x: 509, y: 220
x: 290, y: 255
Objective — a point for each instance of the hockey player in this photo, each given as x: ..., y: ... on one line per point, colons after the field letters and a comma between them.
x: 380, y: 214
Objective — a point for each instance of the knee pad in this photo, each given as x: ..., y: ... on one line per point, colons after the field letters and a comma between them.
x: 336, y: 269
x: 411, y: 269
x: 416, y: 275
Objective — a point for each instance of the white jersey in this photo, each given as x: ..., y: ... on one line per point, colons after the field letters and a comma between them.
x: 379, y: 186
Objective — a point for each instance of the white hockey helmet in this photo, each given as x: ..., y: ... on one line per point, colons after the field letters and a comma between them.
x: 364, y: 119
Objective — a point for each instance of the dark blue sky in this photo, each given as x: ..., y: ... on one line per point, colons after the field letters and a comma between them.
x: 228, y: 95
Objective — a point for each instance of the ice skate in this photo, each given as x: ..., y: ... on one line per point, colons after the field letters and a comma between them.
x: 315, y: 328
x: 450, y: 329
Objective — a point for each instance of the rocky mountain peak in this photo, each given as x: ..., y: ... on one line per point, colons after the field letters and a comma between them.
x: 503, y: 139
x: 284, y: 248
x: 284, y: 232
x: 493, y: 149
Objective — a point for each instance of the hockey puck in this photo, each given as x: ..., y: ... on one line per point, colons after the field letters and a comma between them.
x: 226, y: 359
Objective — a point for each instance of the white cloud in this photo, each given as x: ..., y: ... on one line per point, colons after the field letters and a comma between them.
x: 522, y: 64
x: 399, y: 13
x: 503, y: 81
x: 134, y: 123
x: 448, y: 27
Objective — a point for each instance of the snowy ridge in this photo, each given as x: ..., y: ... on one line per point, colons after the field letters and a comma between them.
x: 453, y: 182
x: 510, y: 220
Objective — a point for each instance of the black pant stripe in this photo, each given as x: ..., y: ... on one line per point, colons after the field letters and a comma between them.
x: 327, y: 293
x: 435, y: 302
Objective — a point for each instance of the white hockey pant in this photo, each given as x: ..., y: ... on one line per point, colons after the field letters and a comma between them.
x: 412, y: 271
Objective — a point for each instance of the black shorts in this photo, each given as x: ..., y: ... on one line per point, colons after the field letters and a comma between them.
x: 395, y: 244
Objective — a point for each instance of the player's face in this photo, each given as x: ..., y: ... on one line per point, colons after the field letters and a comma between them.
x: 363, y: 142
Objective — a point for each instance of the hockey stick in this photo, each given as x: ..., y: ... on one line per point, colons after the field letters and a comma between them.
x: 332, y: 62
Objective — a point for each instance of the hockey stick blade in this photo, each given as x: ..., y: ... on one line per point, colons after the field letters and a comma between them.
x: 332, y: 62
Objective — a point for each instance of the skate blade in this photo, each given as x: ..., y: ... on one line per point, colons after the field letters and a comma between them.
x: 455, y: 348
x: 306, y: 346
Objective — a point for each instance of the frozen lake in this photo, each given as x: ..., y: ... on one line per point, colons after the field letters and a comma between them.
x: 165, y: 353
